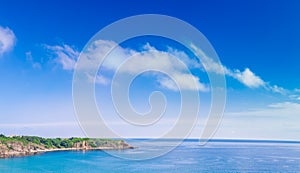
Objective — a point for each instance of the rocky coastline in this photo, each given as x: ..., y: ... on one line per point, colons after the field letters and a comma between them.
x: 21, y: 146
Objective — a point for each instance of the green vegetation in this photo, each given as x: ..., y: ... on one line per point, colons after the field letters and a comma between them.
x: 29, y: 145
x: 61, y: 142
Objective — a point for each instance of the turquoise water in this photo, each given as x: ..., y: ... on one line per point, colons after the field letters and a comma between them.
x: 220, y: 156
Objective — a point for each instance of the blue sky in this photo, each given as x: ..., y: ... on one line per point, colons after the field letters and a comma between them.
x: 263, y: 102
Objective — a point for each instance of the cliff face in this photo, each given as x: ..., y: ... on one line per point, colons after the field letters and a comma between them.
x: 15, y: 148
x: 12, y: 147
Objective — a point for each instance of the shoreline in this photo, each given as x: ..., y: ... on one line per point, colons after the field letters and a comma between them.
x: 19, y: 146
x: 36, y: 152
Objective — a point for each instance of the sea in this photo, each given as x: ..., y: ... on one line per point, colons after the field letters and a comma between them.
x: 188, y: 157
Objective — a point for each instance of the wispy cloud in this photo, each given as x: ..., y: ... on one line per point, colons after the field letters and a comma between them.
x: 99, y: 79
x: 277, y: 89
x: 278, y: 120
x: 7, y: 40
x: 246, y: 77
x: 64, y: 55
x: 30, y: 60
x: 295, y: 94
x: 185, y: 81
x: 297, y: 90
x: 281, y: 109
x: 148, y: 58
x: 294, y: 97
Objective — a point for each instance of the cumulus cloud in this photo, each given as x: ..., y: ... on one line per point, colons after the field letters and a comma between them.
x: 64, y: 55
x: 7, y: 40
x: 173, y: 62
x: 148, y: 58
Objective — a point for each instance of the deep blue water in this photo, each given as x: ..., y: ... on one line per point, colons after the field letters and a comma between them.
x: 217, y: 156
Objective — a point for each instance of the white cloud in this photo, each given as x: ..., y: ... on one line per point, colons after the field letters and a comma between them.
x: 294, y: 97
x: 286, y: 105
x: 276, y: 110
x: 248, y: 78
x: 275, y: 121
x: 192, y: 63
x: 185, y: 81
x: 277, y: 89
x: 34, y: 64
x: 282, y: 109
x: 209, y: 64
x: 7, y: 40
x: 97, y: 50
x: 148, y: 58
x: 99, y: 79
x: 65, y: 55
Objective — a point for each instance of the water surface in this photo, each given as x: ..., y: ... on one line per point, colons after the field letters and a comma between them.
x: 217, y: 156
